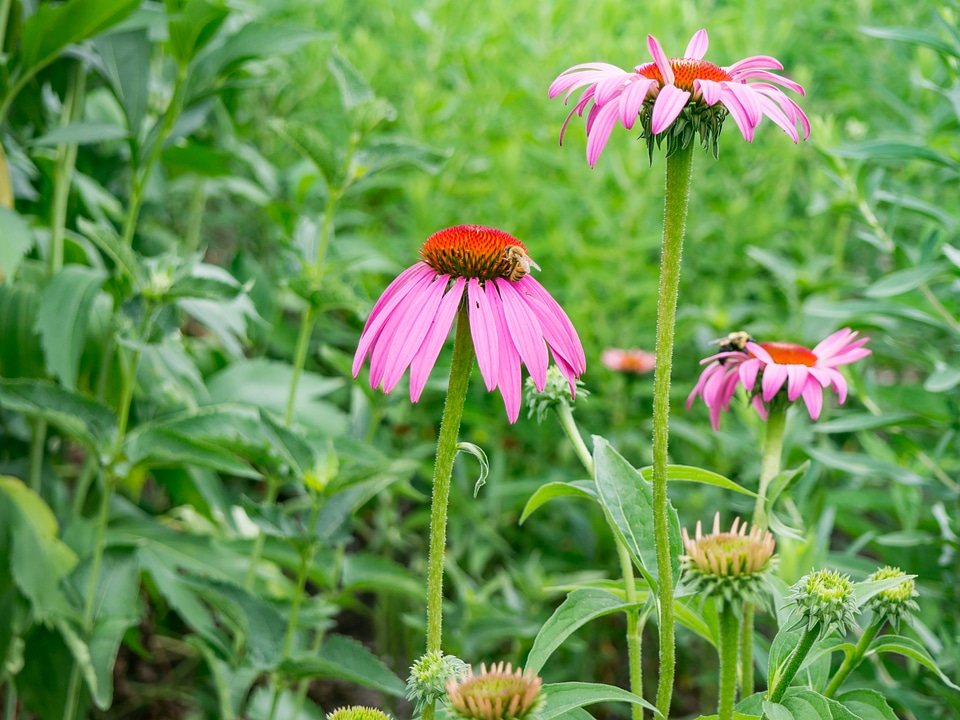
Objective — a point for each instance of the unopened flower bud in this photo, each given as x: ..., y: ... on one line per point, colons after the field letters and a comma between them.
x: 429, y: 676
x: 825, y: 597
x: 357, y: 712
x: 893, y: 603
x: 555, y: 392
x: 497, y: 693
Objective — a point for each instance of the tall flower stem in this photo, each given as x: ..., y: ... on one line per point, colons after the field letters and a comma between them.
x: 679, y: 174
x: 769, y: 469
x: 634, y: 627
x: 807, y: 640
x: 460, y: 369
x: 851, y: 661
x: 729, y: 642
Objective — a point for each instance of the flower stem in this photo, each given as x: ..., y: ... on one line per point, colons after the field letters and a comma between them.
x: 729, y: 645
x: 807, y: 640
x: 460, y: 370
x: 679, y: 173
x: 772, y: 453
x: 746, y: 651
x: 851, y: 661
x: 634, y: 627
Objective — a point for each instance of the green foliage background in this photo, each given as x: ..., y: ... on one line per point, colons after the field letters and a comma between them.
x: 391, y: 121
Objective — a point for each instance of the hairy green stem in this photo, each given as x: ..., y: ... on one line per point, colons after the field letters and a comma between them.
x: 851, y: 661
x: 772, y: 454
x: 746, y: 650
x: 634, y: 627
x: 679, y: 174
x: 460, y: 370
x: 807, y: 640
x: 729, y: 645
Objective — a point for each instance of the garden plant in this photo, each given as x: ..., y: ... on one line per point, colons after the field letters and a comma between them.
x: 251, y: 252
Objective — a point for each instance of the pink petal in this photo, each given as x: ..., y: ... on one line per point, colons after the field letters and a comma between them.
x: 822, y: 375
x: 632, y: 100
x: 759, y: 407
x: 773, y: 378
x: 554, y: 330
x: 576, y: 357
x: 525, y: 332
x: 483, y: 330
x: 748, y: 373
x: 577, y: 110
x: 568, y: 372
x: 426, y: 356
x: 771, y: 78
x: 752, y: 63
x: 747, y: 99
x: 709, y: 89
x: 698, y: 388
x: 580, y: 75
x: 611, y: 86
x: 412, y: 331
x: 848, y: 356
x: 797, y: 379
x: 697, y: 47
x: 840, y: 385
x: 759, y: 353
x: 813, y: 397
x: 508, y: 380
x: 667, y: 107
x: 773, y: 112
x: 599, y: 132
x: 660, y: 58
x: 829, y: 346
x: 739, y: 114
x: 380, y: 356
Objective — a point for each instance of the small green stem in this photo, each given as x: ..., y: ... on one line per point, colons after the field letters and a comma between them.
x: 729, y: 645
x: 198, y: 201
x: 569, y: 425
x: 679, y: 174
x: 807, y: 640
x: 634, y: 629
x: 746, y: 651
x: 10, y: 705
x: 38, y: 443
x: 772, y: 454
x: 460, y: 370
x: 273, y: 489
x: 65, y: 164
x: 851, y: 661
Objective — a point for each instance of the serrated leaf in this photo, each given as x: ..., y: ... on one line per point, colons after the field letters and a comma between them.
x: 564, y: 697
x: 580, y: 607
x: 17, y: 239
x: 628, y: 500
x: 346, y: 659
x: 908, y: 647
x: 545, y: 493
x: 63, y: 318
x: 79, y: 416
x: 902, y: 281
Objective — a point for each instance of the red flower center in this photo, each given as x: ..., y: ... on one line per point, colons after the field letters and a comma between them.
x: 685, y: 71
x: 784, y: 353
x: 475, y: 251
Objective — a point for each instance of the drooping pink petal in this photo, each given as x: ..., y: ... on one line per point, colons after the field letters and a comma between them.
x: 525, y: 331
x: 758, y: 405
x: 379, y: 358
x: 747, y: 100
x: 773, y: 378
x: 632, y: 100
x: 576, y: 77
x: 840, y: 385
x: 748, y: 373
x: 554, y: 331
x: 578, y: 360
x: 796, y: 380
x: 772, y: 111
x: 709, y: 89
x: 701, y: 382
x: 831, y: 344
x: 660, y: 58
x: 697, y: 47
x: 759, y: 353
x: 577, y: 110
x: 508, y: 380
x: 426, y: 356
x: 733, y: 105
x: 848, y: 356
x: 611, y: 86
x: 667, y: 107
x: 599, y: 131
x: 813, y: 398
x: 568, y: 372
x: 752, y: 63
x: 483, y: 330
x: 822, y: 375
x: 771, y: 78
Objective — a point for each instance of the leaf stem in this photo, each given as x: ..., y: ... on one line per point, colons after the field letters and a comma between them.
x: 678, y: 180
x: 65, y: 164
x: 729, y: 645
x: 807, y: 640
x: 746, y: 650
x: 460, y: 370
x: 569, y: 425
x: 852, y: 660
x: 772, y: 455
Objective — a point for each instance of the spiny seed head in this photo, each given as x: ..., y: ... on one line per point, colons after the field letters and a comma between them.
x: 555, y: 392
x: 429, y: 676
x: 732, y: 566
x: 497, y: 693
x: 893, y: 603
x: 357, y: 712
x: 825, y: 597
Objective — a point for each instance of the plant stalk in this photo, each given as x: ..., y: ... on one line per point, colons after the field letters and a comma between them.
x: 460, y: 370
x: 729, y: 645
x: 678, y: 180
x: 65, y: 164
x: 851, y: 661
x: 38, y: 443
x: 772, y: 454
x: 807, y: 640
x: 746, y: 650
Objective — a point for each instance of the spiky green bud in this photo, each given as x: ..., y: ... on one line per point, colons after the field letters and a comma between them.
x: 429, y: 676
x: 555, y: 392
x: 731, y: 567
x: 357, y: 712
x: 497, y: 693
x: 893, y: 603
x: 825, y: 597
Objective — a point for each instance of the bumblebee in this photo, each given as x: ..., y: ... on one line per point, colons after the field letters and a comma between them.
x: 518, y: 262
x: 734, y: 342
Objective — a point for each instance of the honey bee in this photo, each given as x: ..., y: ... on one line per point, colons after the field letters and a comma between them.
x: 734, y: 342
x: 519, y: 263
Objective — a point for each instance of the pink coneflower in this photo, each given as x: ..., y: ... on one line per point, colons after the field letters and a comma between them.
x: 804, y: 372
x: 628, y: 361
x: 513, y: 319
x: 666, y: 87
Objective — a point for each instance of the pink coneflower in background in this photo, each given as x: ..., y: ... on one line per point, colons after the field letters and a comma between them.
x: 804, y: 372
x: 671, y: 85
x: 628, y: 361
x: 513, y: 319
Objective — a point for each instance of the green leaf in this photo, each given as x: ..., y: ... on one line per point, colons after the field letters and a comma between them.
x: 776, y: 711
x: 545, y: 493
x: 860, y: 421
x: 628, y: 499
x: 942, y: 379
x: 312, y: 145
x: 369, y: 573
x: 580, y: 607
x: 20, y: 352
x: 294, y: 449
x: 79, y: 416
x: 192, y: 25
x: 689, y: 473
x: 481, y: 456
x: 897, y: 283
x: 345, y: 659
x: 882, y: 150
x: 159, y: 446
x: 107, y: 240
x: 867, y: 704
x: 52, y: 27
x: 81, y: 133
x: 864, y: 590
x: 353, y: 87
x: 913, y: 36
x: 38, y: 559
x: 126, y: 60
x: 262, y: 703
x: 564, y: 697
x: 390, y: 153
x: 908, y: 647
x: 17, y: 239
x: 805, y: 704
x: 63, y: 318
